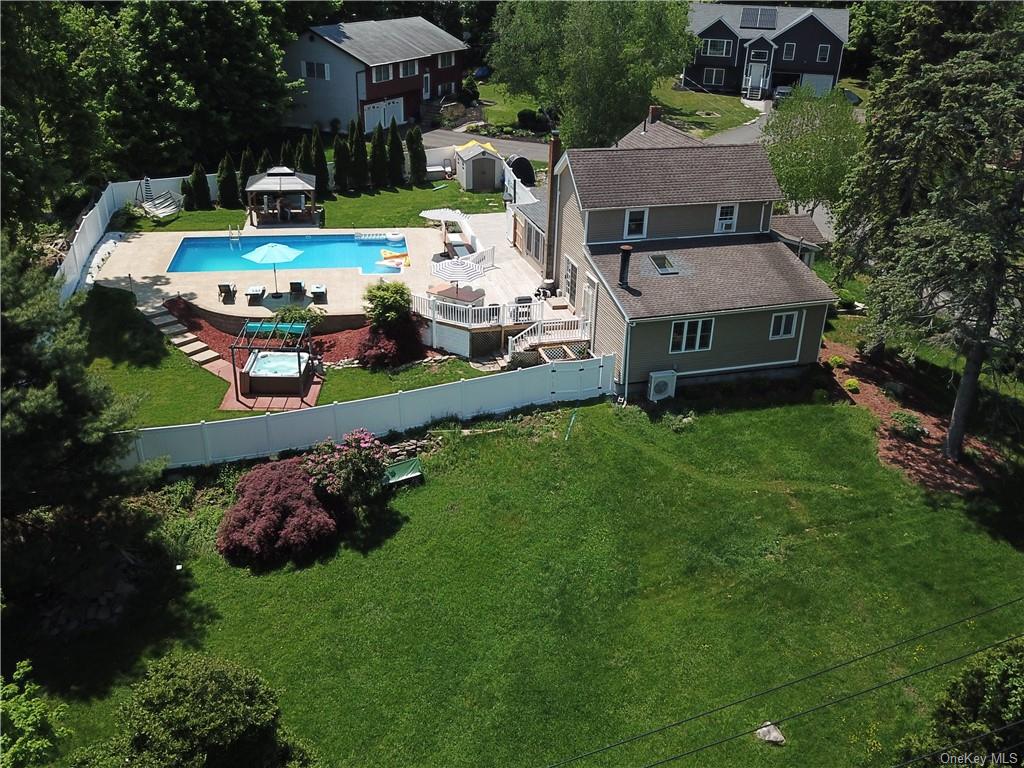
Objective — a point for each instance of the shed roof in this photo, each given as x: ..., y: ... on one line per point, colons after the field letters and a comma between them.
x: 798, y: 226
x: 656, y: 134
x: 537, y: 213
x: 709, y: 173
x: 281, y: 179
x: 716, y: 274
x: 389, y: 40
x: 704, y: 14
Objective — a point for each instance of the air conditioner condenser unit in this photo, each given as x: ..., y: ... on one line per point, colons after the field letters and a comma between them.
x: 660, y: 385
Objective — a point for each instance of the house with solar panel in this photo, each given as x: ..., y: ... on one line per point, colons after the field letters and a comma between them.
x: 373, y: 71
x: 751, y: 50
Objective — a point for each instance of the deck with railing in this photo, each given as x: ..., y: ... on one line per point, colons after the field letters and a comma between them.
x: 491, y: 316
x: 549, y: 332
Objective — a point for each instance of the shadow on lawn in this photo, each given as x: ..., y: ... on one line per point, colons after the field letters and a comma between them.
x: 998, y: 510
x: 116, y: 330
x: 90, y: 600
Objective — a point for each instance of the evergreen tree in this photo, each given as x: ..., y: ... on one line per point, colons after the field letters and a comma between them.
x: 227, y: 183
x: 417, y: 155
x: 189, y: 202
x: 360, y: 164
x: 200, y: 188
x: 246, y: 169
x: 378, y: 159
x: 323, y: 175
x: 287, y: 156
x: 60, y: 436
x: 342, y: 164
x: 304, y: 156
x: 265, y: 162
x: 396, y: 156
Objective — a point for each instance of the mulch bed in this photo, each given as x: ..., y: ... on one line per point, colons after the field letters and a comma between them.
x: 923, y: 460
x: 332, y: 347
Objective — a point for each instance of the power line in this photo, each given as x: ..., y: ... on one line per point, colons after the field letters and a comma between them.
x: 961, y: 743
x: 811, y: 676
x: 840, y: 700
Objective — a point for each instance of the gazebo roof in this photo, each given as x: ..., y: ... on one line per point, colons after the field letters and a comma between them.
x: 280, y: 179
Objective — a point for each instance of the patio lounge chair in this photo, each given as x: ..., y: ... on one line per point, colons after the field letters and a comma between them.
x: 162, y: 206
x: 297, y: 289
x: 319, y: 293
x: 255, y: 293
x: 226, y: 292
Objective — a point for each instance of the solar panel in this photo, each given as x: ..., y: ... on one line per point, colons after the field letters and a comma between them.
x: 758, y: 18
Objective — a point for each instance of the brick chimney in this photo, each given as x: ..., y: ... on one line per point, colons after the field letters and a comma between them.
x: 624, y: 253
x: 554, y: 155
x: 653, y: 113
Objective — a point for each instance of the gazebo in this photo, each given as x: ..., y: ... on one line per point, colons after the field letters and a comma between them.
x: 282, y: 196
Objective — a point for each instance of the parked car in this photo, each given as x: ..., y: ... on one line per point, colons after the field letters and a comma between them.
x: 482, y: 72
x: 781, y: 92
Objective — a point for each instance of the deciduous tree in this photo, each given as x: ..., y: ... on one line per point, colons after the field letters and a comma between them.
x: 30, y: 725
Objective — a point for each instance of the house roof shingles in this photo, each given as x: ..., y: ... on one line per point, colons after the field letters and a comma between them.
x: 657, y: 134
x: 637, y: 178
x: 390, y: 40
x: 798, y: 226
x: 536, y: 212
x: 702, y: 15
x: 716, y: 274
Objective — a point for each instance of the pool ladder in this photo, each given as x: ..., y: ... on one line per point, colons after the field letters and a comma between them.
x: 234, y: 233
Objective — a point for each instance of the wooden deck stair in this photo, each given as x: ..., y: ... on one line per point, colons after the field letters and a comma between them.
x: 194, y: 348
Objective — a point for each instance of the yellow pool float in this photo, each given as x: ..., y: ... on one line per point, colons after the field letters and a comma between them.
x: 389, y: 254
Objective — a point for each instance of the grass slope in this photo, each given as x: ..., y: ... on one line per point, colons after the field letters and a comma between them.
x: 387, y: 208
x: 506, y: 107
x: 343, y: 384
x: 683, y: 107
x: 545, y: 596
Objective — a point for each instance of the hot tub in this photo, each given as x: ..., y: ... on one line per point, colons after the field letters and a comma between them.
x: 276, y: 373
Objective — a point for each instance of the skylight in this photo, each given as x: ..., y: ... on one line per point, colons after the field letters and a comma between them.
x: 758, y: 18
x: 663, y: 264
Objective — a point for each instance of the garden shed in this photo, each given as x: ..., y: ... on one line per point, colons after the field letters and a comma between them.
x: 478, y: 167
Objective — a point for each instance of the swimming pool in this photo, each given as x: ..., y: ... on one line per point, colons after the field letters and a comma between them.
x: 223, y: 254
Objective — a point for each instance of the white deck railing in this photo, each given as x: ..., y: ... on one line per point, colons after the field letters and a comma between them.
x: 493, y: 316
x: 549, y: 332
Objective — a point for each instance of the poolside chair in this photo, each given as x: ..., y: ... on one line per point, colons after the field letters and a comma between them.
x: 297, y: 289
x: 319, y: 293
x: 162, y: 206
x: 255, y: 293
x: 226, y: 292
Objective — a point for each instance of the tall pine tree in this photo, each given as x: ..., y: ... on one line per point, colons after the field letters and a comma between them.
x: 360, y: 163
x: 246, y: 168
x: 378, y: 159
x: 304, y: 156
x: 287, y: 156
x: 227, y: 183
x: 417, y: 155
x: 323, y: 174
x: 342, y: 164
x: 396, y: 156
x: 265, y: 161
x: 200, y: 188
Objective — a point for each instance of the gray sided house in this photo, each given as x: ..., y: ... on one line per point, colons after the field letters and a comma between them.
x: 373, y: 71
x: 669, y: 253
x: 753, y: 49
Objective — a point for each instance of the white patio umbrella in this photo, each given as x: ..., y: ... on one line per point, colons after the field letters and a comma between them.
x: 457, y: 271
x: 274, y: 254
x: 444, y: 215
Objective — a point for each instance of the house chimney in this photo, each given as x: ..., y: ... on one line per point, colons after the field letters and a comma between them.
x: 554, y: 155
x: 654, y: 113
x: 624, y: 252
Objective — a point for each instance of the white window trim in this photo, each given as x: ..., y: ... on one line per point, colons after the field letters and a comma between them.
x: 699, y: 321
x: 440, y: 60
x: 415, y: 68
x: 789, y: 51
x: 705, y: 48
x: 625, y: 224
x: 373, y: 73
x: 828, y: 53
x: 762, y: 53
x: 712, y: 70
x: 571, y: 297
x: 719, y: 230
x: 771, y: 328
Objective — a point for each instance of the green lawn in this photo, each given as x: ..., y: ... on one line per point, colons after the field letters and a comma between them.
x: 859, y: 87
x: 544, y: 596
x: 857, y: 287
x: 343, y: 384
x: 506, y: 107
x: 388, y: 208
x: 134, y: 359
x: 683, y: 106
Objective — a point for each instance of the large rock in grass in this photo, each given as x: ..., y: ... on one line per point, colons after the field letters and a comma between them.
x: 770, y: 733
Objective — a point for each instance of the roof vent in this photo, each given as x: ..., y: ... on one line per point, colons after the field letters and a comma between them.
x: 624, y: 253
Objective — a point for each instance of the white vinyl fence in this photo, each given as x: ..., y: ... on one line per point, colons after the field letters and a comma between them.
x: 257, y: 436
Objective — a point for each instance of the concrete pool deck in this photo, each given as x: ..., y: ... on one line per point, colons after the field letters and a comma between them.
x: 139, y: 263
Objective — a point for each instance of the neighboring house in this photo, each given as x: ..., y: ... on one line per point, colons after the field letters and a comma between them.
x: 801, y: 234
x: 753, y: 49
x: 653, y: 132
x: 372, y: 70
x: 669, y: 254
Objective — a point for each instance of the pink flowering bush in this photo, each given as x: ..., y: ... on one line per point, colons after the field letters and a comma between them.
x: 277, y: 517
x: 351, y: 475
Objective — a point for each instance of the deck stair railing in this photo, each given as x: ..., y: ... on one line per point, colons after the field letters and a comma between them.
x: 753, y: 88
x: 491, y: 316
x: 549, y: 332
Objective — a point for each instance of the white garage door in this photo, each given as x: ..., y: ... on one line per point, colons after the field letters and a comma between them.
x: 821, y: 84
x: 381, y: 112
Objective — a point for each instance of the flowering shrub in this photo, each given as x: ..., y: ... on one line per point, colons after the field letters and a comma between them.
x: 388, y: 346
x: 277, y: 517
x: 351, y: 474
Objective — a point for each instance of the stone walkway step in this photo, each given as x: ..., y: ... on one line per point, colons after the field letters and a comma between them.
x: 164, y: 319
x: 183, y: 339
x: 159, y: 309
x: 204, y: 357
x: 173, y: 330
x: 194, y: 348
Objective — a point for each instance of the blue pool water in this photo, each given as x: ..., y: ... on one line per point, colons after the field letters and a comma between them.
x: 221, y: 254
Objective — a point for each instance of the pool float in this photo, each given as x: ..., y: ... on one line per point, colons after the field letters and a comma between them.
x: 389, y: 254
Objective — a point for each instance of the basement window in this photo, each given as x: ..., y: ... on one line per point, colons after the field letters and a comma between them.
x: 663, y: 264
